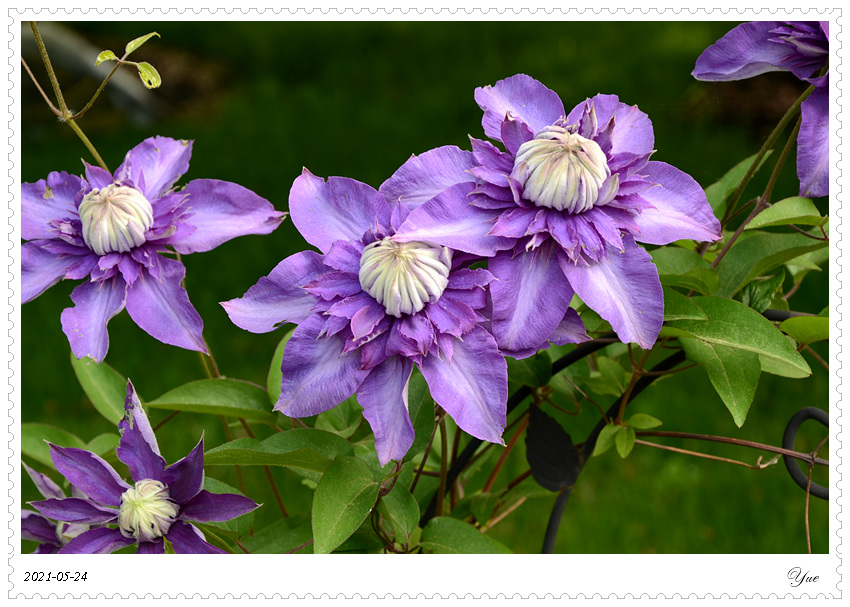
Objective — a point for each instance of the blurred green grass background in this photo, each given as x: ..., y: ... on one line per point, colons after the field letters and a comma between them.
x: 263, y: 100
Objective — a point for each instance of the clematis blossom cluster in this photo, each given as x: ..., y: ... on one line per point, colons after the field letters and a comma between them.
x: 112, y: 231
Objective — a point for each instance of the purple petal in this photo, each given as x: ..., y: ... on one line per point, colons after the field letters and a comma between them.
x: 278, y: 297
x: 317, y: 376
x: 570, y: 330
x: 514, y: 133
x: 98, y: 177
x: 514, y: 223
x: 44, y: 484
x: 813, y: 145
x: 449, y: 220
x: 681, y: 209
x: 138, y: 448
x: 157, y: 162
x: 630, y: 133
x: 451, y: 316
x: 418, y: 329
x: 186, y: 539
x: 97, y: 541
x: 423, y: 177
x: 524, y: 97
x: 624, y: 289
x: 185, y: 478
x: 151, y: 548
x: 208, y: 507
x: 744, y: 52
x: 46, y: 200
x: 339, y: 209
x: 530, y: 297
x: 85, y: 323
x: 90, y: 474
x: 75, y: 510
x: 383, y: 395
x: 344, y: 256
x: 334, y: 284
x: 36, y: 528
x: 366, y: 318
x: 161, y: 307
x: 473, y: 386
x: 224, y: 210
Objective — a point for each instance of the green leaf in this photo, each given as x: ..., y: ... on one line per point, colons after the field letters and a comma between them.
x: 809, y: 262
x: 135, y: 44
x: 759, y: 294
x: 344, y: 498
x: 756, y: 254
x: 795, y: 210
x: 103, y: 444
x: 105, y: 387
x: 534, y: 371
x: 482, y: 506
x: 605, y: 440
x: 807, y: 329
x: 344, y: 419
x: 678, y: 267
x: 420, y: 406
x: 642, y: 421
x: 400, y: 508
x: 307, y: 451
x: 734, y: 325
x: 718, y: 192
x: 33, y: 437
x: 231, y: 397
x: 610, y: 379
x: 275, y: 376
x: 446, y: 535
x: 625, y: 441
x: 237, y: 527
x: 733, y: 372
x: 150, y: 77
x: 105, y: 56
x: 283, y: 536
x: 679, y: 307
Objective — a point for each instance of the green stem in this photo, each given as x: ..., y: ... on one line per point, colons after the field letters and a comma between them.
x: 444, y: 454
x: 792, y: 139
x: 760, y: 206
x: 76, y: 128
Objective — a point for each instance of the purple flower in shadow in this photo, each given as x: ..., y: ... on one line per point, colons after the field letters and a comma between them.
x: 799, y: 47
x: 162, y: 503
x: 111, y: 229
x: 558, y: 213
x: 368, y: 308
x: 50, y: 535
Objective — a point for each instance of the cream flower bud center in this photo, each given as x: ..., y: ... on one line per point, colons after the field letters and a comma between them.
x: 564, y: 171
x: 147, y: 511
x: 404, y: 276
x: 115, y: 219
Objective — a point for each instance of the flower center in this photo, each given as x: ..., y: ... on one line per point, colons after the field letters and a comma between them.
x: 404, y: 276
x: 147, y: 511
x: 115, y: 219
x: 564, y: 171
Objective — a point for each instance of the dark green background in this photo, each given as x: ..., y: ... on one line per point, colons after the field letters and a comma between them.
x: 263, y: 100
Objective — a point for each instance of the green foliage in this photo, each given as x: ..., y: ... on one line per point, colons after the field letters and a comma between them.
x: 34, y: 439
x: 445, y: 535
x: 719, y: 192
x: 104, y: 386
x: 795, y: 210
x: 218, y: 397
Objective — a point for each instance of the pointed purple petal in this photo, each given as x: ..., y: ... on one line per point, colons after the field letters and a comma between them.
x: 744, y: 52
x: 345, y: 256
x: 138, y: 448
x: 631, y: 132
x: 336, y: 209
x: 89, y: 473
x: 473, y: 386
x: 206, y: 507
x: 813, y: 145
x: 224, y: 210
x: 449, y: 220
x: 161, y: 307
x: 366, y: 319
x: 44, y: 484
x: 97, y: 541
x: 85, y: 323
x: 151, y: 548
x: 423, y: 177
x: 98, y: 177
x: 514, y: 133
x: 681, y: 209
x: 185, y: 478
x: 278, y: 297
x: 186, y: 539
x: 331, y: 285
x: 383, y: 395
x: 41, y: 269
x: 36, y: 528
x: 570, y: 330
x: 624, y: 290
x: 530, y: 297
x: 157, y: 162
x: 46, y: 200
x: 317, y: 376
x: 75, y: 510
x: 524, y: 97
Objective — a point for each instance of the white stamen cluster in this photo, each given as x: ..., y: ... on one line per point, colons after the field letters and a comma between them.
x: 564, y: 171
x: 404, y: 276
x: 115, y: 219
x: 147, y: 511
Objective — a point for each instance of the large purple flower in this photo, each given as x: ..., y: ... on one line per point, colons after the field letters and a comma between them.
x: 367, y: 309
x: 50, y: 535
x: 161, y: 504
x: 800, y: 47
x: 111, y: 229
x: 558, y: 212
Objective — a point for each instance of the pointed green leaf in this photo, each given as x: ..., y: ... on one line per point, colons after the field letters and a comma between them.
x: 678, y: 267
x: 807, y: 329
x: 150, y: 77
x: 642, y: 421
x: 231, y: 397
x: 679, y: 307
x: 420, y: 406
x: 134, y: 44
x: 534, y: 371
x: 281, y: 537
x: 795, y: 210
x: 275, y: 376
x: 342, y: 501
x: 606, y: 439
x: 445, y: 535
x: 733, y: 372
x: 809, y: 262
x: 33, y: 437
x: 105, y: 387
x: 400, y: 508
x: 759, y: 294
x: 718, y: 192
x: 344, y: 419
x: 624, y: 440
x: 610, y: 379
x: 103, y: 444
x: 105, y: 56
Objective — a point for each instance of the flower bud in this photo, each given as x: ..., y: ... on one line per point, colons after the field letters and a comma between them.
x: 115, y: 219
x: 147, y: 511
x: 564, y: 171
x: 404, y: 276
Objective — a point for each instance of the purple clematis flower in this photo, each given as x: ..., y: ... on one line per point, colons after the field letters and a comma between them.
x: 370, y: 307
x: 50, y: 535
x: 111, y: 229
x: 558, y: 212
x: 800, y: 47
x: 161, y: 504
